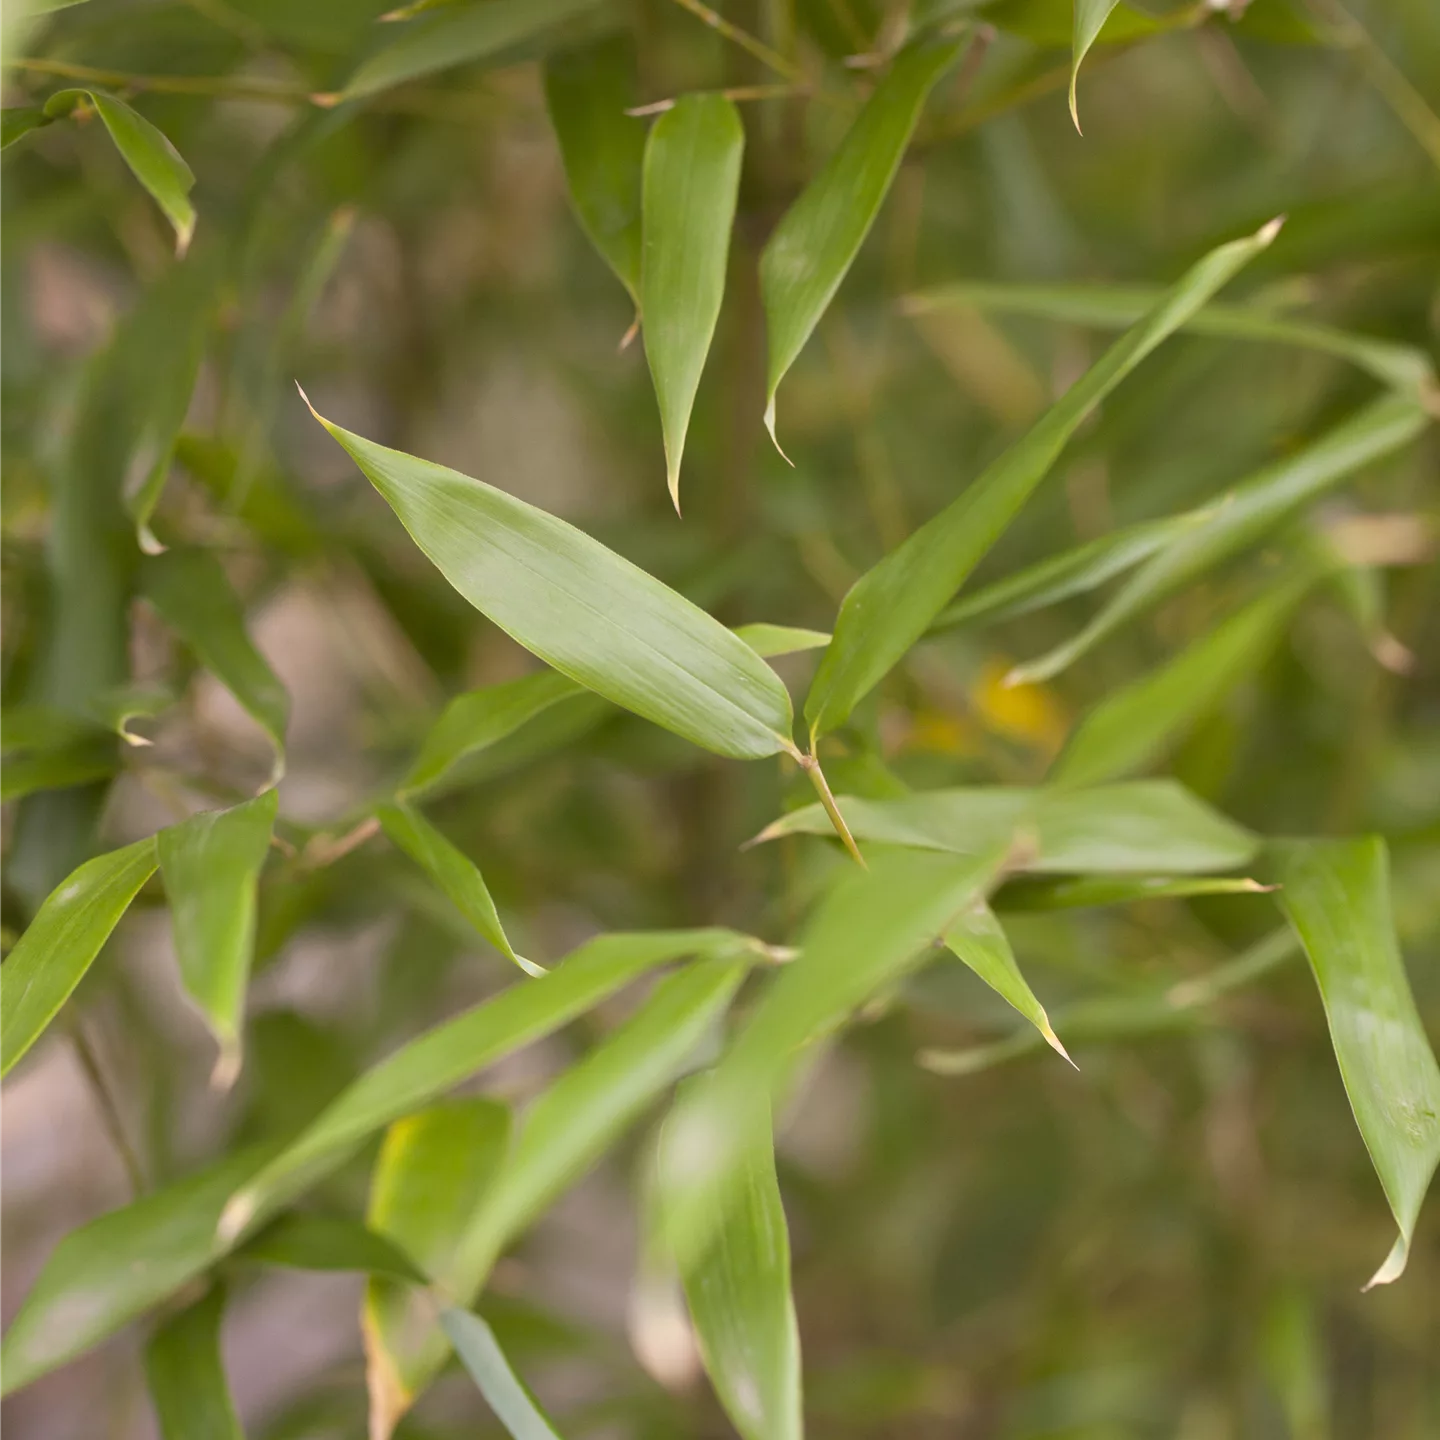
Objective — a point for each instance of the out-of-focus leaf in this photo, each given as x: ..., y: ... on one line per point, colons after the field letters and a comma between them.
x: 454, y: 872
x: 65, y: 936
x: 17, y: 121
x: 153, y: 160
x: 771, y: 640
x: 455, y: 35
x: 583, y: 609
x: 211, y: 866
x: 1069, y: 893
x: 587, y: 92
x: 329, y: 1242
x: 514, y: 1406
x: 432, y: 1172
x: 193, y: 595
x: 1052, y: 23
x: 186, y: 1375
x: 1131, y: 828
x: 1242, y: 517
x: 1090, y: 17
x: 115, y: 709
x: 978, y: 938
x: 72, y: 764
x: 819, y: 236
x: 870, y: 929
x: 691, y: 179
x: 893, y: 604
x: 117, y: 1267
x: 424, y: 1069
x: 1336, y: 895
x: 740, y: 1301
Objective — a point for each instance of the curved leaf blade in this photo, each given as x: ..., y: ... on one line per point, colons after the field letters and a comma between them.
x: 186, y: 1374
x: 329, y: 1243
x: 514, y: 1406
x: 1090, y: 18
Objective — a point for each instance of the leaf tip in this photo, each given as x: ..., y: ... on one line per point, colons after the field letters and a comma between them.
x: 1269, y: 230
x: 1074, y: 107
x: 1392, y: 1268
x: 227, y: 1067
x: 1053, y: 1041
x: 239, y: 1211
x: 530, y: 967
x: 184, y: 234
x: 770, y: 426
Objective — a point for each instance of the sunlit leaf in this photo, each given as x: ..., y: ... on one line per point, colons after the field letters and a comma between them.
x: 773, y: 640
x: 480, y: 1353
x: 65, y: 936
x: 1090, y: 17
x: 818, y: 237
x: 186, y: 1374
x: 691, y: 179
x: 329, y: 1242
x: 893, y: 604
x: 1336, y: 895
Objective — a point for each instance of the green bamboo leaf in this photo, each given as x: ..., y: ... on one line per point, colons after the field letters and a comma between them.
x: 1243, y: 516
x: 740, y: 1301
x: 117, y: 707
x: 455, y: 35
x: 819, y: 236
x: 424, y: 1069
x: 1132, y: 828
x: 1090, y: 18
x: 17, y: 121
x: 193, y: 595
x: 152, y: 159
x: 691, y: 180
x: 76, y: 763
x: 1085, y: 892
x: 514, y: 1406
x: 330, y: 1242
x: 1336, y: 895
x: 62, y: 941
x: 870, y: 930
x: 587, y: 92
x: 892, y: 605
x: 186, y: 1374
x: 979, y: 939
x: 431, y: 1174
x: 454, y: 872
x: 211, y: 867
x: 1051, y: 23
x: 583, y: 609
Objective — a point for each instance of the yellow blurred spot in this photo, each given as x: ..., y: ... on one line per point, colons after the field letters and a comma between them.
x: 1029, y: 713
x: 933, y: 732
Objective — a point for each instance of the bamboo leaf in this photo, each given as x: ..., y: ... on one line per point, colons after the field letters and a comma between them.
x: 152, y: 159
x: 211, y: 866
x: 773, y: 640
x: 186, y: 1374
x: 514, y: 1406
x: 1242, y: 517
x: 1336, y: 895
x: 1085, y: 892
x: 454, y: 872
x: 587, y: 92
x: 691, y: 180
x: 193, y: 595
x: 819, y: 236
x: 17, y: 121
x: 329, y: 1242
x: 77, y: 763
x: 1090, y: 18
x: 893, y: 604
x: 583, y: 609
x: 62, y: 941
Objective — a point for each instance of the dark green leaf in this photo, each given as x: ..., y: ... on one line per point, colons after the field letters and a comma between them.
x: 17, y: 121
x: 187, y: 1375
x: 329, y: 1242
x: 480, y: 1353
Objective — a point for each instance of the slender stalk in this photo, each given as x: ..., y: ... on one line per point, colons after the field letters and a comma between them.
x: 811, y: 766
x: 746, y: 41
x: 221, y: 86
x: 734, y: 92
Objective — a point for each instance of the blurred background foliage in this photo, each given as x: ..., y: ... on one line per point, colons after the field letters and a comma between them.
x: 1168, y: 1243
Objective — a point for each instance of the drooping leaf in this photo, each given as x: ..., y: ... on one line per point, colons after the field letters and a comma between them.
x: 1090, y: 17
x: 193, y: 595
x: 587, y: 91
x: 893, y: 604
x: 152, y: 159
x: 582, y: 608
x: 691, y: 180
x: 454, y: 872
x: 329, y: 1242
x: 186, y: 1374
x: 116, y: 708
x: 17, y: 121
x: 211, y: 867
x: 1336, y: 895
x: 819, y: 236
x: 65, y: 936
x: 1087, y: 891
x: 431, y: 1173
x: 1240, y: 518
x: 514, y: 1406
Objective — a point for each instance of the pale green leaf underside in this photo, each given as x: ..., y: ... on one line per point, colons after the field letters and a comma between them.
x: 480, y: 1353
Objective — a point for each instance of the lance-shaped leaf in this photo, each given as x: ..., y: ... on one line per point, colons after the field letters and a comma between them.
x: 1243, y: 516
x: 211, y: 866
x: 505, y: 1393
x: 454, y: 872
x: 1132, y: 828
x: 329, y: 1243
x: 582, y: 608
x: 153, y: 160
x: 1088, y: 891
x: 421, y: 1071
x: 893, y: 604
x: 58, y: 768
x: 432, y: 1172
x: 1336, y: 895
x: 691, y: 180
x: 17, y: 121
x: 1129, y: 729
x: 979, y: 939
x: 52, y: 956
x: 455, y: 35
x: 193, y: 595
x: 186, y: 1374
x: 871, y: 929
x: 1090, y: 17
x: 819, y: 236
x: 740, y: 1301
x: 587, y: 92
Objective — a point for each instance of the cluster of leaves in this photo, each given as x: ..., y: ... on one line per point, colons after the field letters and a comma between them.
x: 157, y: 524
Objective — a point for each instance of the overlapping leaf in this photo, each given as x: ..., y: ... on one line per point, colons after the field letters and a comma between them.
x: 480, y: 1353
x: 187, y: 1376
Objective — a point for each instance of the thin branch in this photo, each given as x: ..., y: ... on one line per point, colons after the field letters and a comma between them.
x: 735, y: 92
x: 223, y: 86
x: 746, y: 41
